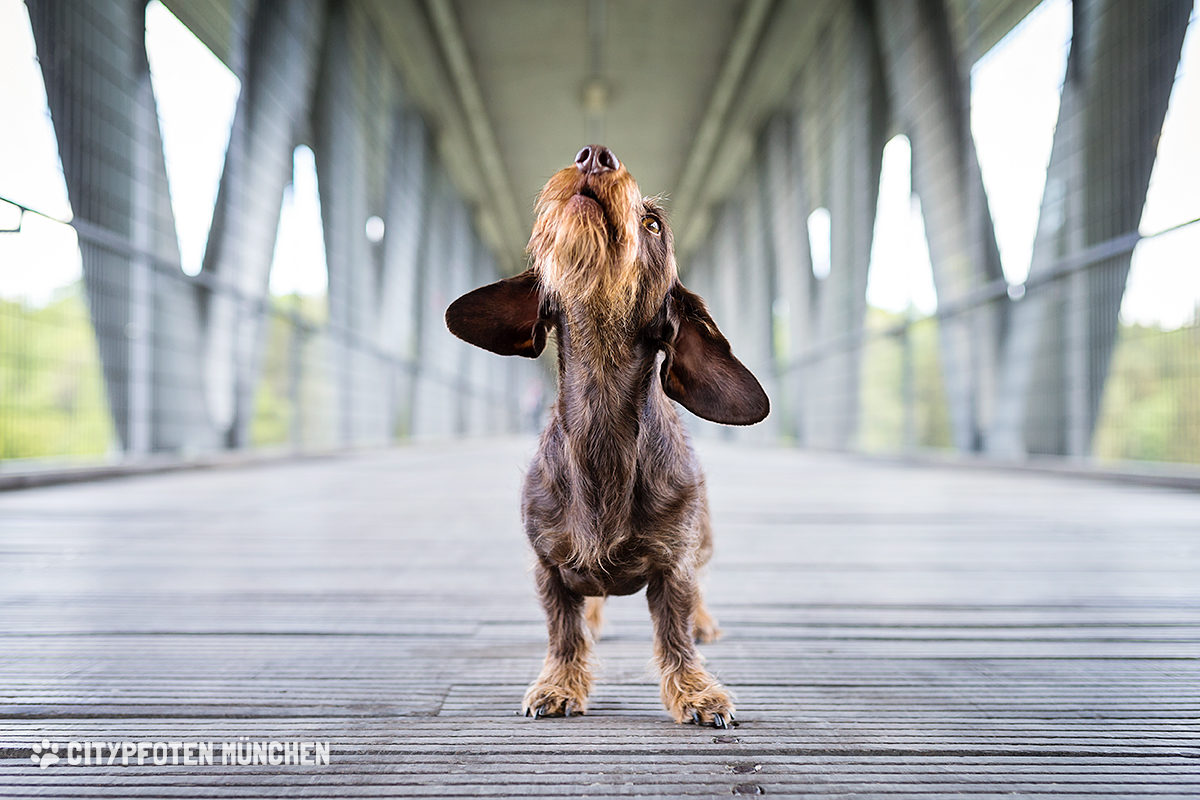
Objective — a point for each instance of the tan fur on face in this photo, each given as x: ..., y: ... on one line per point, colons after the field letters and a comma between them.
x: 586, y: 251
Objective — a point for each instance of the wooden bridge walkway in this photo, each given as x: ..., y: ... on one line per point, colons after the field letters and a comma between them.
x: 890, y: 631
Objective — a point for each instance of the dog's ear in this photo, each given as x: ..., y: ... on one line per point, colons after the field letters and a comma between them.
x: 700, y: 370
x: 504, y: 317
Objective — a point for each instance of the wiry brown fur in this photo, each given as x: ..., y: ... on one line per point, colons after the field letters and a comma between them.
x: 615, y: 499
x: 587, y: 250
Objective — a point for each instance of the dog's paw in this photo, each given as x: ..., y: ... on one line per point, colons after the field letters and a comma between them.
x: 560, y: 691
x: 697, y: 697
x: 712, y: 708
x: 704, y: 628
x: 548, y: 700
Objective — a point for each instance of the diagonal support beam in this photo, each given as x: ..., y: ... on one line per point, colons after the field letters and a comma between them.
x: 144, y: 310
x: 782, y: 169
x: 280, y: 57
x: 483, y: 138
x: 704, y: 145
x: 1120, y: 73
x: 929, y: 95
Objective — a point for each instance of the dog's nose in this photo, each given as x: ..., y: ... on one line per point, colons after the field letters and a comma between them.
x: 596, y: 158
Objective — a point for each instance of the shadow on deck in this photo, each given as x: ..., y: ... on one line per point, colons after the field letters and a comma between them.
x: 899, y: 631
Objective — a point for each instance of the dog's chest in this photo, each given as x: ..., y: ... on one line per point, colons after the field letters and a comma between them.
x: 593, y: 583
x: 611, y: 518
x: 615, y: 553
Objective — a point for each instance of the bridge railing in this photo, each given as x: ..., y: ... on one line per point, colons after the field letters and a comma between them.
x: 1147, y: 411
x: 60, y: 405
x: 121, y: 340
x: 1078, y: 342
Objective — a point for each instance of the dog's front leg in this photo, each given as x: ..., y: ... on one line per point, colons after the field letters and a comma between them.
x: 689, y: 691
x: 566, y: 679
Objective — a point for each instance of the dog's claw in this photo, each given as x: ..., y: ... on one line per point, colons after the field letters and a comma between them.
x: 718, y: 721
x: 529, y: 712
x: 696, y: 718
x: 541, y: 712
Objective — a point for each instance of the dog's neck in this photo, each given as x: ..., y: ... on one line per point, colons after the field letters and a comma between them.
x: 605, y: 386
x: 604, y: 379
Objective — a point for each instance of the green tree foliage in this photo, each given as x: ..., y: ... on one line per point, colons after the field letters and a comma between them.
x: 291, y: 348
x: 53, y: 404
x: 1150, y: 410
x: 52, y: 401
x: 1151, y: 405
x: 885, y: 416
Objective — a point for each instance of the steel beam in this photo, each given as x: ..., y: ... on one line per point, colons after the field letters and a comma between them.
x: 280, y: 61
x: 144, y: 310
x: 929, y: 92
x: 1120, y: 73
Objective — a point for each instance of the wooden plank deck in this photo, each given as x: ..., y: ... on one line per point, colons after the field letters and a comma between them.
x: 899, y: 632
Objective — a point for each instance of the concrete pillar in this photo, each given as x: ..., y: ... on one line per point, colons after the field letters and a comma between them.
x: 848, y: 90
x: 480, y: 392
x: 404, y: 219
x: 1120, y: 72
x: 787, y: 236
x: 725, y: 298
x: 144, y: 310
x: 350, y: 101
x: 929, y: 93
x: 520, y: 414
x: 694, y: 273
x: 279, y: 59
x: 490, y: 371
x: 755, y: 336
x: 697, y: 274
x: 434, y: 411
x: 462, y: 277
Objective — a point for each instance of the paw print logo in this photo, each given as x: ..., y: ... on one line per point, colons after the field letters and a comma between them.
x: 45, y: 754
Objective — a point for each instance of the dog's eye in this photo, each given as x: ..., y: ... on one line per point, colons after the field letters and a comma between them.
x: 651, y: 224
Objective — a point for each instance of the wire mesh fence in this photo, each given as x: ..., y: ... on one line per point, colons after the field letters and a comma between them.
x: 1020, y: 276
x: 1149, y: 409
x: 119, y: 339
x: 122, y: 338
x: 54, y: 406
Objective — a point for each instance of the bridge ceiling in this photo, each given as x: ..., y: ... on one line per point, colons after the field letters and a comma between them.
x: 656, y: 64
x: 677, y: 88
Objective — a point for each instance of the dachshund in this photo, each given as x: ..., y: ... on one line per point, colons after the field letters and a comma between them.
x: 615, y: 499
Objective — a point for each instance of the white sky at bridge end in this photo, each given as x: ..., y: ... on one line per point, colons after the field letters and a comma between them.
x: 1014, y: 106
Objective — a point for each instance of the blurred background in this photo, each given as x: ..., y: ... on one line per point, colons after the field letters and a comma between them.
x: 948, y: 225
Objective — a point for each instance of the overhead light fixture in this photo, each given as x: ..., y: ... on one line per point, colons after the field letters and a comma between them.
x: 595, y: 96
x: 374, y: 230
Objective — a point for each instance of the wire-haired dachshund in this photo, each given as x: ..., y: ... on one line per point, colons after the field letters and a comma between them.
x: 615, y: 499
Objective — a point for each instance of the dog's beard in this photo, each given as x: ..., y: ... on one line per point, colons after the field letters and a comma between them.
x: 583, y: 256
x: 586, y: 266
